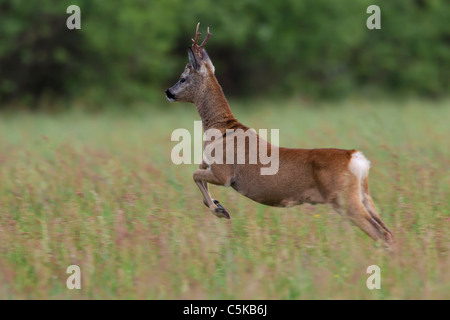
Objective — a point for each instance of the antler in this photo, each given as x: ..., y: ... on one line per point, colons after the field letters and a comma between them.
x: 195, y: 47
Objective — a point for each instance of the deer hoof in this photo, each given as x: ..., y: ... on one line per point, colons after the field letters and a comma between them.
x: 220, y: 211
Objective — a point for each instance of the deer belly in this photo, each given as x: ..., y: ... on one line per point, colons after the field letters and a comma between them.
x: 280, y: 196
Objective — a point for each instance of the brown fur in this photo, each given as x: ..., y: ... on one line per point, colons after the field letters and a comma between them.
x: 304, y: 175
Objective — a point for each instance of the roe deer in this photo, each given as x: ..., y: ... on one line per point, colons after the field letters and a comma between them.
x: 333, y: 176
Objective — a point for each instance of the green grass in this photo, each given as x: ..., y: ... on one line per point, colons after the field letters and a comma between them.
x: 100, y: 191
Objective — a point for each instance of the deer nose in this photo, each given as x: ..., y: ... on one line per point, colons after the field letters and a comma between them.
x: 169, y: 95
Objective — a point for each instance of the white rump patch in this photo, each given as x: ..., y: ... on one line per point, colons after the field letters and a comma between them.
x: 359, y: 165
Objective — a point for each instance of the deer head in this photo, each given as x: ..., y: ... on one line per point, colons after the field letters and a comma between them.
x: 197, y: 73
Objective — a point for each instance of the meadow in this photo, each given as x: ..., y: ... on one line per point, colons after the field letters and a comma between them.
x: 99, y: 190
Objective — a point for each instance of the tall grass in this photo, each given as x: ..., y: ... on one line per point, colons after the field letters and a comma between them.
x: 100, y: 191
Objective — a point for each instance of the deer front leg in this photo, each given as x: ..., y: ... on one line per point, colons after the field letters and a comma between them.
x: 205, y: 185
x: 202, y: 177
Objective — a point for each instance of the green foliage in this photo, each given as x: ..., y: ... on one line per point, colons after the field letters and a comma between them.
x: 133, y: 50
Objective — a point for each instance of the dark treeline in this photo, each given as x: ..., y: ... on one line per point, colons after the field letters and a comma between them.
x: 132, y: 50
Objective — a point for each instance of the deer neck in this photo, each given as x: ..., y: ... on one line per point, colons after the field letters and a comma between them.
x: 213, y: 107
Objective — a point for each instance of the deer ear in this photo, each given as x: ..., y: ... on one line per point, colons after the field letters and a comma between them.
x: 207, y: 60
x: 192, y: 59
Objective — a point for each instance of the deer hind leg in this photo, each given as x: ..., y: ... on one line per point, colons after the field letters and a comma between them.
x: 354, y: 203
x: 202, y: 177
x: 353, y: 208
x: 350, y: 204
x: 370, y: 207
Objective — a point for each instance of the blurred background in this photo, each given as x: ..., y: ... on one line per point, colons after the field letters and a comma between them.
x: 131, y: 51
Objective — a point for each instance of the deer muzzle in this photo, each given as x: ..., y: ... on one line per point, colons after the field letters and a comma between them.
x: 169, y: 95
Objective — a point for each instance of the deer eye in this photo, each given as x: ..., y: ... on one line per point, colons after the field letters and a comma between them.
x: 183, y: 80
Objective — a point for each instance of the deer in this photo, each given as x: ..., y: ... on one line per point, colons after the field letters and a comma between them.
x: 336, y: 177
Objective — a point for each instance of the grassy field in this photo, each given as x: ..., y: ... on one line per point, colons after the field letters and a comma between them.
x: 100, y: 191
